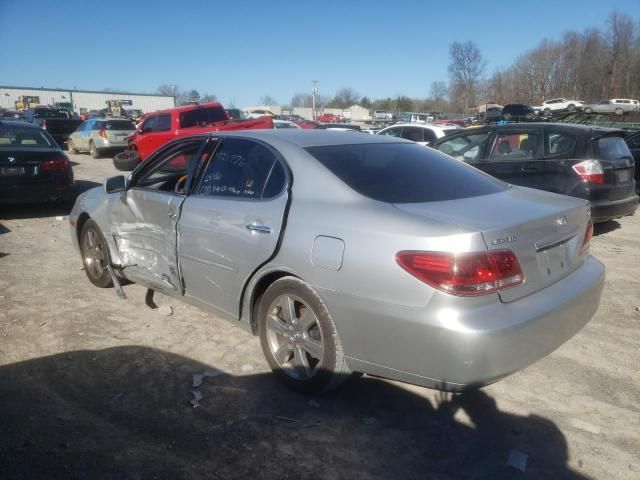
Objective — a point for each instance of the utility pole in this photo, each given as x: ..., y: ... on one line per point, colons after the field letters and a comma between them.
x: 314, y: 92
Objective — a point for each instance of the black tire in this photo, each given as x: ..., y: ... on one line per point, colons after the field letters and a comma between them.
x: 93, y: 151
x: 547, y: 112
x: 506, y: 116
x: 588, y: 110
x: 126, y: 161
x: 619, y: 111
x: 571, y: 107
x: 95, y: 255
x: 328, y: 372
x: 71, y: 147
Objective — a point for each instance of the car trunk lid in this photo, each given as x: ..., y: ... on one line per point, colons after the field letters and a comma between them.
x: 545, y: 231
x: 24, y: 165
x: 617, y: 163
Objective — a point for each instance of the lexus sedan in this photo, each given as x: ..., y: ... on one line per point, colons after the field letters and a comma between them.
x: 349, y: 254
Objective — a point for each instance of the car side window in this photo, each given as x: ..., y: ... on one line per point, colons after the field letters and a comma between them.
x: 514, y: 146
x: 392, y: 132
x: 242, y: 169
x: 170, y: 169
x: 634, y: 143
x: 559, y: 144
x: 149, y: 124
x: 429, y: 135
x: 467, y: 148
x: 163, y: 123
x: 413, y: 133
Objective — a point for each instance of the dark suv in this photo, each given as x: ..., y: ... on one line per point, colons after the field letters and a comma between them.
x: 586, y: 162
x: 517, y: 111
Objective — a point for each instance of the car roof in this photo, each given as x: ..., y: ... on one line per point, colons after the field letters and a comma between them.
x: 308, y: 137
x: 18, y: 123
x: 582, y: 129
x: 421, y: 125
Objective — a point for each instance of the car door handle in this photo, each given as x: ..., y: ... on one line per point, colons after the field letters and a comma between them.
x: 172, y: 213
x: 254, y: 227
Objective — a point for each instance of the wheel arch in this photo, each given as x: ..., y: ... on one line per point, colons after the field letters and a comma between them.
x: 257, y: 290
x: 82, y: 219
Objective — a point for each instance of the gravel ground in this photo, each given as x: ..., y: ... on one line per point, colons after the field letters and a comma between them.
x: 92, y: 386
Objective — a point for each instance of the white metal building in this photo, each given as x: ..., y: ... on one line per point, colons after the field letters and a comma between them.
x: 84, y: 100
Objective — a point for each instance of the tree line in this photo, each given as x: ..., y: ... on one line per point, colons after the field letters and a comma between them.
x: 594, y: 64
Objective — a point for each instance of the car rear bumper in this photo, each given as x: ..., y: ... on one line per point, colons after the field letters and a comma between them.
x: 602, y: 211
x: 35, y: 192
x: 450, y: 346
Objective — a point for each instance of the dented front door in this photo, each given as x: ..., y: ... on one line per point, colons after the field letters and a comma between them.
x: 146, y: 236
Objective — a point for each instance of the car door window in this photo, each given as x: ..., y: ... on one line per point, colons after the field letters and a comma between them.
x: 392, y: 132
x: 514, y: 146
x: 163, y: 123
x: 559, y: 144
x: 634, y: 142
x: 149, y: 124
x: 241, y: 169
x: 429, y: 135
x: 465, y: 147
x: 171, y: 169
x: 413, y: 133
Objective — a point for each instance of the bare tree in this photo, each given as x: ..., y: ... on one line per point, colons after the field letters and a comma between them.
x: 268, y: 101
x: 619, y: 41
x: 344, y: 98
x: 466, y: 68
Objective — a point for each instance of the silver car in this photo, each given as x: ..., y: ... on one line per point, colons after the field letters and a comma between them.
x: 100, y: 135
x: 350, y: 253
x: 619, y: 106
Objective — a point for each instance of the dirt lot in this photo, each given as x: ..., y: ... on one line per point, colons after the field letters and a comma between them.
x: 92, y: 386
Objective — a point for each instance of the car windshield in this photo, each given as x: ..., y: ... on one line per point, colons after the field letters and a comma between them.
x: 202, y: 116
x: 612, y: 148
x: 404, y: 173
x: 24, y: 137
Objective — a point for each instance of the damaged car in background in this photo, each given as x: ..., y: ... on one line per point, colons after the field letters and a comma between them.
x: 349, y: 253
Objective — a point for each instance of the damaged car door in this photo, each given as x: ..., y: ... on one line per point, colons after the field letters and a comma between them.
x: 231, y: 221
x: 144, y: 216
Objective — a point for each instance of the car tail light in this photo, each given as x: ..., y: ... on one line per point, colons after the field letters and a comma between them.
x: 102, y: 133
x: 475, y: 273
x: 586, y: 240
x: 58, y: 164
x: 590, y: 171
x: 43, y: 124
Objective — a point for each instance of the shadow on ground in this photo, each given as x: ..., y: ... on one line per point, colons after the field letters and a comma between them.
x: 605, y: 227
x: 124, y: 413
x: 44, y: 210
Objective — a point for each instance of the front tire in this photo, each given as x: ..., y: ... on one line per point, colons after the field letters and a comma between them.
x: 571, y: 108
x: 588, y: 110
x: 95, y: 255
x: 619, y: 111
x: 299, y: 338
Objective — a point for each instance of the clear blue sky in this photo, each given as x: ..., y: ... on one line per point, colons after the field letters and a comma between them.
x: 241, y: 50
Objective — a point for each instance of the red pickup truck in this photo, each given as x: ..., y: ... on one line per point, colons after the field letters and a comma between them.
x: 158, y: 128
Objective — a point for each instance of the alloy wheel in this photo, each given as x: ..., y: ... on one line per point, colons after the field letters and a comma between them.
x: 93, y: 254
x: 294, y: 337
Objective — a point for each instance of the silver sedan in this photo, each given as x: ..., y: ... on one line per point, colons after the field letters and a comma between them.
x: 350, y: 253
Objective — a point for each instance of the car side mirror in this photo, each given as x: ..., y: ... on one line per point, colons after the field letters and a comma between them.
x: 116, y: 184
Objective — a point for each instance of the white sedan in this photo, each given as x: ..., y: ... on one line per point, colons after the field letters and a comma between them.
x: 423, y: 134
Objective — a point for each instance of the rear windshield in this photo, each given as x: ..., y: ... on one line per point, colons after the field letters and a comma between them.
x: 120, y: 125
x: 202, y: 116
x: 612, y: 148
x: 21, y: 137
x: 404, y: 173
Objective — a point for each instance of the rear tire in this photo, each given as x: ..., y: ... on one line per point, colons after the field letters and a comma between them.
x: 619, y: 111
x: 95, y: 255
x: 299, y: 338
x: 71, y: 147
x: 588, y: 110
x: 93, y: 151
x: 571, y: 107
